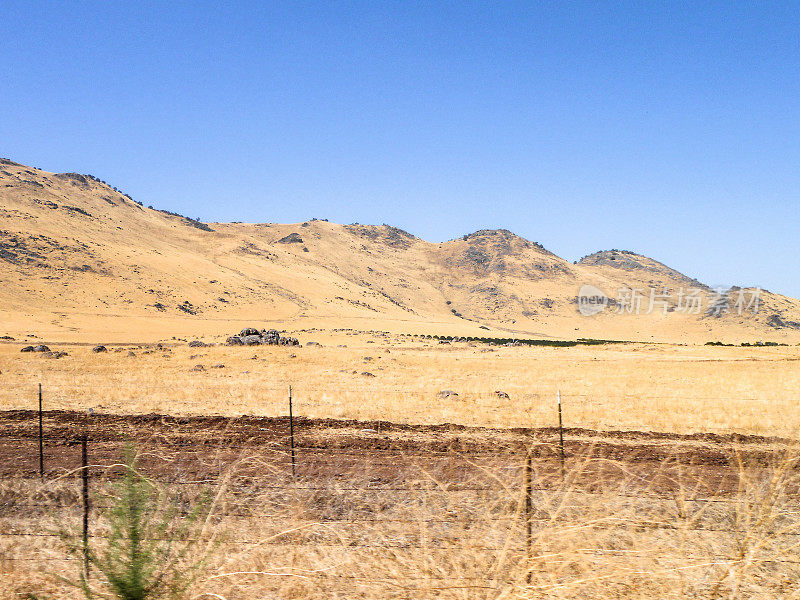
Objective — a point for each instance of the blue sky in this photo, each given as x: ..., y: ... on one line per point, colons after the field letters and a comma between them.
x: 668, y: 128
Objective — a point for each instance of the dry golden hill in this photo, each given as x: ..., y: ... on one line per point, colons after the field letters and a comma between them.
x: 83, y: 262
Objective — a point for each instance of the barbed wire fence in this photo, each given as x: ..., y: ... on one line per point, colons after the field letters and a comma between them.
x: 456, y: 502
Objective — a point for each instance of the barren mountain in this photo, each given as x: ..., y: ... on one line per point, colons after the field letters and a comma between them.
x: 80, y: 260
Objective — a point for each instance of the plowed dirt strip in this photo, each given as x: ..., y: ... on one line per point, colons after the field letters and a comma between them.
x: 198, y: 449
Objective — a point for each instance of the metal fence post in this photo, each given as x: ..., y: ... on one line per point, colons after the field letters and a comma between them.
x: 41, y: 437
x: 85, y: 494
x: 291, y: 431
x: 561, y: 434
x: 529, y: 511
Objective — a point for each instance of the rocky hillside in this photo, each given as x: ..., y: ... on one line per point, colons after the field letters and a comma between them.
x: 80, y: 258
x: 639, y: 267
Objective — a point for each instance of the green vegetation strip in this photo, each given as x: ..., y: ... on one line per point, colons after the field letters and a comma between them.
x: 521, y: 342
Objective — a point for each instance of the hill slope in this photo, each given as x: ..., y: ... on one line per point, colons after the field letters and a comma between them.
x: 81, y: 260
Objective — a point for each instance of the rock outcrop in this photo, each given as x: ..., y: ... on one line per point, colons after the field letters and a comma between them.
x: 292, y: 238
x: 251, y: 336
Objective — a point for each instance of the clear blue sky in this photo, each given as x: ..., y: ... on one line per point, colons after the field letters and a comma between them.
x: 668, y: 128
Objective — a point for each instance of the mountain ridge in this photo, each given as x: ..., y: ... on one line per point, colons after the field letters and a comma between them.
x: 80, y: 256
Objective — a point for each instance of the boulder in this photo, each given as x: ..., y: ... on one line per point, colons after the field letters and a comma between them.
x: 247, y: 331
x: 41, y: 348
x: 197, y: 344
x: 445, y: 394
x: 198, y: 368
x: 234, y: 341
x: 27, y: 349
x: 99, y: 348
x: 501, y: 394
x: 251, y: 340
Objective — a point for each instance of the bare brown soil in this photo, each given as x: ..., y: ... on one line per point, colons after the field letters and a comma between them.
x: 198, y: 448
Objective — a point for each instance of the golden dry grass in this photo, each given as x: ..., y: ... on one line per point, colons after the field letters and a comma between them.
x: 354, y: 536
x: 640, y: 387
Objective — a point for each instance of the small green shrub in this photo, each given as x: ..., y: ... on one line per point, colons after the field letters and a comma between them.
x: 152, y: 550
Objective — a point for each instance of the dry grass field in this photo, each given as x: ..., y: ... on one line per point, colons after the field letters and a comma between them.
x: 395, y: 514
x: 648, y: 387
